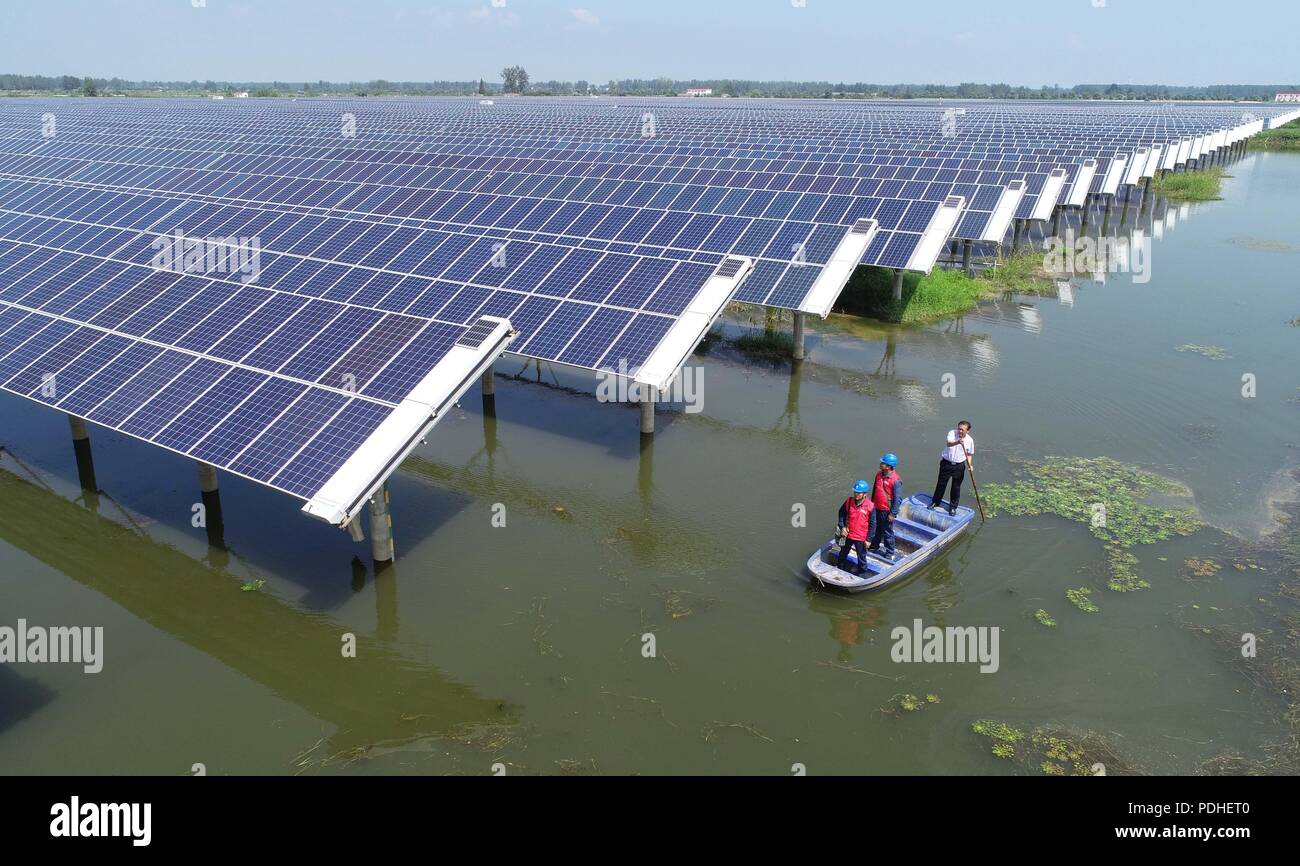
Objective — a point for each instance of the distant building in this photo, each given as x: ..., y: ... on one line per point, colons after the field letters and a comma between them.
x: 243, y: 94
x: 1288, y: 96
x: 699, y: 91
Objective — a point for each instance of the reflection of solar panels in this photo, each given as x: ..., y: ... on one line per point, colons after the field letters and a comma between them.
x: 392, y: 235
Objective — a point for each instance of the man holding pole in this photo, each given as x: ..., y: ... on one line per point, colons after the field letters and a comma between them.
x: 952, y: 466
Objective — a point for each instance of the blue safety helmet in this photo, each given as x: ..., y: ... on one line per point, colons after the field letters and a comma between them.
x: 861, y: 487
x: 890, y: 460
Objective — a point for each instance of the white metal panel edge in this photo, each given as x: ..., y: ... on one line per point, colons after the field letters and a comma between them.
x: 1135, y: 167
x: 936, y: 234
x: 1005, y: 211
x: 1153, y: 161
x: 1082, y: 183
x: 1116, y: 174
x: 1184, y: 150
x: 1171, y: 156
x: 1051, y: 194
x: 835, y: 275
x: 346, y: 492
x: 661, y: 367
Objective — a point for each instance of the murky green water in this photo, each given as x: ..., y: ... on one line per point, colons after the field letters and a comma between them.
x: 522, y: 645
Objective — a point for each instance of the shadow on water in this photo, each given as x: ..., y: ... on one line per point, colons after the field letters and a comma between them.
x: 20, y: 697
x: 294, y: 653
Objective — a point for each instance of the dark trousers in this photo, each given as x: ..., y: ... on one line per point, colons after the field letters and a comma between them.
x: 883, y: 538
x: 860, y: 547
x: 947, y: 470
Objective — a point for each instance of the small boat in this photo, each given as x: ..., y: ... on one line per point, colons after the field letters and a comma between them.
x: 919, y: 535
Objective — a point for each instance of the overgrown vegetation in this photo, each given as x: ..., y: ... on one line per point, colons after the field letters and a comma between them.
x: 1055, y: 751
x: 941, y: 293
x: 1203, y: 185
x: 1283, y: 138
x: 773, y: 344
x: 1214, y: 353
x: 1113, y: 499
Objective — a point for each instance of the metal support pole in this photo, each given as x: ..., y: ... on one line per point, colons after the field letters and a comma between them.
x: 354, y: 529
x: 209, y: 490
x: 798, y: 336
x: 489, y: 392
x: 965, y: 258
x: 1056, y: 223
x: 81, y: 448
x: 208, y: 482
x: 381, y: 527
x: 647, y: 411
x: 898, y: 284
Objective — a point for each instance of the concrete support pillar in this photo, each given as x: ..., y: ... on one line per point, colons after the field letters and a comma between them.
x: 209, y: 490
x: 208, y: 482
x: 381, y: 528
x: 489, y: 392
x: 898, y: 284
x: 1056, y: 223
x: 1017, y: 228
x: 798, y: 336
x: 965, y: 258
x: 81, y: 448
x: 647, y: 411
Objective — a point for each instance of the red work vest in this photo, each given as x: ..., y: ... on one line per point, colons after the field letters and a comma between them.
x: 883, y: 495
x: 858, y: 523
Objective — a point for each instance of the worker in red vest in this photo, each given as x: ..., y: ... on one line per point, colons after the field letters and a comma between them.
x: 887, y: 497
x: 857, y: 522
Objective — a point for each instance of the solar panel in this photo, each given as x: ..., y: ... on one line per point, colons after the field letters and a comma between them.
x: 607, y: 233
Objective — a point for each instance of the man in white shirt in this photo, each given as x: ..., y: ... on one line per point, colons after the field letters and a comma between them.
x: 952, y: 465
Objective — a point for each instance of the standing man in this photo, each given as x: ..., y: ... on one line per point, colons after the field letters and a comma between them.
x: 952, y: 465
x: 857, y: 520
x: 887, y: 497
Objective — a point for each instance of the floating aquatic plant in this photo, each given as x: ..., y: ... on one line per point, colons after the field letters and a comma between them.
x: 1045, y: 618
x: 1113, y: 499
x: 252, y: 585
x: 1214, y: 353
x: 1080, y: 598
x: 1202, y: 567
x: 1004, y: 737
x: 908, y: 703
x: 1053, y: 751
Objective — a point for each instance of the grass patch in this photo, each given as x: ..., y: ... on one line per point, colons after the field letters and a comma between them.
x: 1204, y: 185
x: 767, y: 344
x: 1283, y: 138
x: 942, y: 293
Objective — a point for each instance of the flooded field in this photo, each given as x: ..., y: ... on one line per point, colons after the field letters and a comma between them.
x: 522, y: 645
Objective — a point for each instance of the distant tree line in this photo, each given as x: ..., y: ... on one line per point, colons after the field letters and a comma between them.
x: 514, y: 79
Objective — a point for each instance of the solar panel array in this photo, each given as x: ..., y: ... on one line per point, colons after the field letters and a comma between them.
x: 384, y: 230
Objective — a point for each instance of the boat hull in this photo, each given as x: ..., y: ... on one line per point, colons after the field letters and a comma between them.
x: 921, y: 535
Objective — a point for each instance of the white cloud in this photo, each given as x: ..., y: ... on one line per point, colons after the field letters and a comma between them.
x: 585, y: 17
x: 481, y: 17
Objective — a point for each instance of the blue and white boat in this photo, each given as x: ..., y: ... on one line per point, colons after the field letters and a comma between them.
x: 920, y: 534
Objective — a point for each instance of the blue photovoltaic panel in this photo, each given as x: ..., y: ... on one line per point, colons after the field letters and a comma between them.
x: 589, y: 229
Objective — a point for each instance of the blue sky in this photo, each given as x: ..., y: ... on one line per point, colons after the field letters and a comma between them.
x: 887, y: 41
